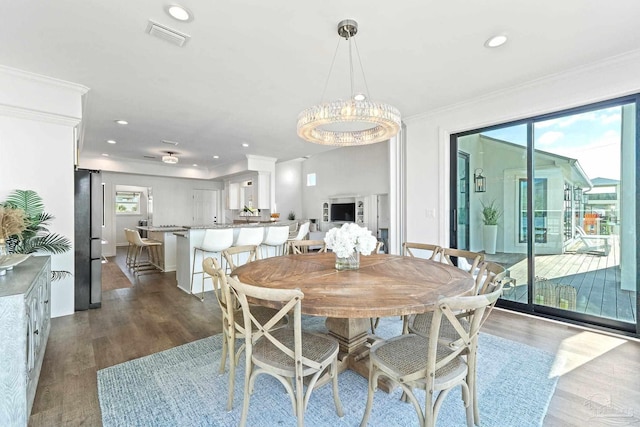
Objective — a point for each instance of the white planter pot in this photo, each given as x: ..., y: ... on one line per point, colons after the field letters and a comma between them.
x: 490, y: 236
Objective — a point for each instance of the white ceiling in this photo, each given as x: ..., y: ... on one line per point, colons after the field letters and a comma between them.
x: 251, y: 66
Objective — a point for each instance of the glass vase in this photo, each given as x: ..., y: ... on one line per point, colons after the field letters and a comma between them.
x: 352, y: 262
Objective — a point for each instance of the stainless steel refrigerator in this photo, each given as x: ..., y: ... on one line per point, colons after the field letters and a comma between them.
x: 88, y: 239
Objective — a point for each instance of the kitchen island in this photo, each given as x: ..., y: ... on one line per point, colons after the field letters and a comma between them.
x: 192, y: 236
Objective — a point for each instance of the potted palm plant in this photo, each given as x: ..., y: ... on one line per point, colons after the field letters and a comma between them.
x: 490, y: 216
x: 35, y: 236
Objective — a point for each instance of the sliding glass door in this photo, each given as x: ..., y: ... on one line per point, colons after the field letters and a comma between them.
x: 564, y: 186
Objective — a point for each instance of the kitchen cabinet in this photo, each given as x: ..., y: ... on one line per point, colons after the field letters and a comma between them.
x: 252, y: 190
x: 25, y: 313
x: 233, y: 195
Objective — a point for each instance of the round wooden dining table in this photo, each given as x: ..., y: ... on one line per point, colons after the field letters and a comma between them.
x: 384, y: 285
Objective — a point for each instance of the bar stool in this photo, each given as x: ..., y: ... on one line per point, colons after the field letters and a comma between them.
x: 214, y: 241
x: 302, y: 232
x: 249, y: 236
x: 140, y: 266
x: 276, y: 237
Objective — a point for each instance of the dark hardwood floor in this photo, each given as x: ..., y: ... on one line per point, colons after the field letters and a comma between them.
x: 599, y: 374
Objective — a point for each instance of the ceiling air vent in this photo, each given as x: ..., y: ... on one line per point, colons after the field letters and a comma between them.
x: 167, y: 34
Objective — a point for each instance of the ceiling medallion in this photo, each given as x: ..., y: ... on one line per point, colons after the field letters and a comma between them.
x: 356, y: 121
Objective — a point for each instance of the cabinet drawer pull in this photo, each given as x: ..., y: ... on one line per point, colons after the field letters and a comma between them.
x: 46, y: 301
x: 35, y: 332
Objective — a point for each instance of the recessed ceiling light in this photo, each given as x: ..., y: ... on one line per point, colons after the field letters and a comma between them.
x: 496, y: 41
x: 216, y: 157
x: 180, y: 13
x: 122, y: 122
x: 245, y: 145
x: 111, y: 141
x: 105, y: 154
x: 194, y: 165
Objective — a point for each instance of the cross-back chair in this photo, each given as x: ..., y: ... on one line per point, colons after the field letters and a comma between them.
x: 422, y: 250
x: 235, y: 256
x: 232, y: 321
x: 491, y: 277
x: 303, y: 246
x: 435, y: 363
x: 287, y: 354
x: 466, y: 260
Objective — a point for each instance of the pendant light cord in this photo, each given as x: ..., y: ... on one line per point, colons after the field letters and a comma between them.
x: 333, y: 61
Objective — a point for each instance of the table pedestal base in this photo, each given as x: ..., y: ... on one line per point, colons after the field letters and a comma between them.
x: 354, y: 340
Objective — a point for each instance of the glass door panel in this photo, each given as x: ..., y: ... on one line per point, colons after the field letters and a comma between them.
x: 497, y: 164
x: 564, y: 186
x: 582, y: 263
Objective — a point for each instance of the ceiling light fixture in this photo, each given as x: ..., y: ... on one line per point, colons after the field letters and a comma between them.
x: 178, y: 12
x: 104, y: 155
x: 245, y: 145
x: 356, y: 121
x: 216, y: 157
x: 111, y: 141
x: 170, y: 158
x: 121, y: 122
x: 496, y: 41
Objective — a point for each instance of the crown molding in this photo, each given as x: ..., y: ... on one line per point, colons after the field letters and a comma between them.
x: 622, y: 60
x: 36, y: 115
x: 27, y: 75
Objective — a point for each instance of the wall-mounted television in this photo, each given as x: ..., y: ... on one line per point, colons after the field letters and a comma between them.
x: 343, y: 212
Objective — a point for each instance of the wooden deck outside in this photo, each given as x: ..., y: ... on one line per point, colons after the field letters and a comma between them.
x: 594, y: 275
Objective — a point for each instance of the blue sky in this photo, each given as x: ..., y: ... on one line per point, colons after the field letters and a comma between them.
x: 592, y: 137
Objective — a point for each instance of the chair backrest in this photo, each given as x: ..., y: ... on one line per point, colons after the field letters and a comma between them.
x: 303, y: 246
x: 216, y: 240
x: 135, y: 238
x: 290, y: 302
x: 127, y: 235
x: 378, y: 247
x: 226, y: 299
x: 240, y: 255
x: 490, y: 275
x: 415, y: 250
x: 250, y: 236
x: 445, y: 348
x: 580, y: 231
x: 466, y: 260
x: 302, y: 231
x: 276, y: 235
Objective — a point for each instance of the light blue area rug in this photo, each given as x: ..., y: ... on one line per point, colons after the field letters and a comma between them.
x: 182, y: 387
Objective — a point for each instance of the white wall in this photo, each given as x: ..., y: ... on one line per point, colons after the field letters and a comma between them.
x: 427, y: 147
x: 37, y: 116
x: 288, y: 189
x: 172, y: 201
x: 348, y: 171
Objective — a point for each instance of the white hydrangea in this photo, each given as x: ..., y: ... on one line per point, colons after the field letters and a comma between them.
x: 349, y: 238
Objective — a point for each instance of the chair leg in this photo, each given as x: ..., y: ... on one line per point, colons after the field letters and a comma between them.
x: 193, y: 269
x: 371, y: 390
x: 232, y: 371
x: 333, y: 369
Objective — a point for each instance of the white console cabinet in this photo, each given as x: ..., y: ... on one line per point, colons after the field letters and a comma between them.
x: 25, y: 313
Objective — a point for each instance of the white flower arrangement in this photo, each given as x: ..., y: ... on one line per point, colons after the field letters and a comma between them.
x: 350, y: 238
